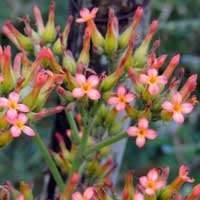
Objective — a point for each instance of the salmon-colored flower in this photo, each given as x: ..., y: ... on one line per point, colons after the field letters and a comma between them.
x: 153, y: 81
x: 142, y: 132
x: 86, y: 15
x: 152, y: 182
x: 121, y: 98
x: 18, y: 125
x: 87, y: 195
x: 20, y: 197
x: 183, y: 174
x: 177, y: 108
x: 86, y: 87
x: 12, y: 105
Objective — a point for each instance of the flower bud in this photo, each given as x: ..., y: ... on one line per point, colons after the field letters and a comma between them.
x: 172, y: 65
x: 49, y: 34
x: 128, y: 33
x: 69, y: 62
x: 140, y: 55
x: 24, y: 42
x: 111, y: 40
x: 39, y: 20
x: 84, y: 56
x: 8, y: 82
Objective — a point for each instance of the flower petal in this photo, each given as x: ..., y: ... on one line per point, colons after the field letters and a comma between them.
x: 3, y: 102
x: 129, y: 97
x: 162, y: 80
x: 84, y: 12
x: 77, y: 196
x: 143, y: 79
x: 143, y: 123
x: 140, y: 141
x: 88, y: 193
x: 160, y: 183
x: 143, y: 181
x: 151, y: 134
x: 78, y: 93
x: 138, y: 196
x: 28, y: 131
x: 178, y: 117
x: 93, y: 80
x: 23, y: 108
x: 12, y: 113
x: 15, y: 131
x: 80, y: 20
x: 94, y: 94
x: 120, y: 106
x: 152, y: 72
x: 13, y: 96
x: 112, y: 101
x: 153, y: 89
x: 22, y: 117
x: 187, y: 107
x: 167, y: 106
x: 152, y: 175
x: 132, y: 131
x: 80, y: 79
x: 176, y: 98
x: 121, y: 90
x: 149, y: 191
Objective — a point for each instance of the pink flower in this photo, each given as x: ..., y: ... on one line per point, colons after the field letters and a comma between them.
x: 12, y: 105
x: 138, y: 196
x: 86, y: 15
x: 121, y: 98
x: 153, y: 81
x: 86, y: 87
x: 177, y: 108
x: 183, y: 174
x: 142, y: 132
x: 87, y: 195
x: 20, y: 197
x: 19, y: 125
x: 152, y: 182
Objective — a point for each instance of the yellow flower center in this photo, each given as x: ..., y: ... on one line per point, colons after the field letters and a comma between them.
x: 13, y: 105
x: 121, y: 99
x: 178, y: 108
x: 142, y: 132
x: 86, y: 87
x: 153, y: 79
x: 19, y: 124
x: 151, y: 185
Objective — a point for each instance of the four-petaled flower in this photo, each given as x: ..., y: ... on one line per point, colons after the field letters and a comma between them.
x: 142, y: 132
x: 86, y: 15
x: 12, y: 105
x: 177, y: 108
x: 87, y: 195
x: 121, y: 98
x: 86, y: 87
x: 152, y: 182
x: 18, y: 125
x: 153, y: 81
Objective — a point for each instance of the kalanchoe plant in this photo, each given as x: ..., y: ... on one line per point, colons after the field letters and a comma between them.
x: 96, y: 105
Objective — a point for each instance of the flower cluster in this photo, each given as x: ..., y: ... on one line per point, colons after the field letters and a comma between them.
x: 102, y: 103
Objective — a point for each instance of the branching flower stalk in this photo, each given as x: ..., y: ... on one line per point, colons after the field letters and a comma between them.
x: 96, y: 105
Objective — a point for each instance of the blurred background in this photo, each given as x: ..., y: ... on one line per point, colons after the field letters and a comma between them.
x: 179, y: 32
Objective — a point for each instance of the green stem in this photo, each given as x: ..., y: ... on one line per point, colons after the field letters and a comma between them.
x: 72, y: 123
x: 105, y: 143
x: 52, y: 167
x: 79, y: 153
